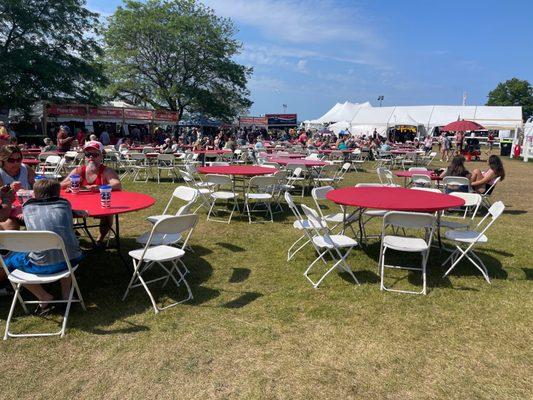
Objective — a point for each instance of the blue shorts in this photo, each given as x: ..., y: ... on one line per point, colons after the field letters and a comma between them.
x: 22, y: 262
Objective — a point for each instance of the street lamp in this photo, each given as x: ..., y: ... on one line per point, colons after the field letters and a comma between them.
x: 380, y: 99
x: 284, y: 108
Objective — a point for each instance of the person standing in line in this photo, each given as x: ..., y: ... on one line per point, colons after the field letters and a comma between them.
x: 64, y: 140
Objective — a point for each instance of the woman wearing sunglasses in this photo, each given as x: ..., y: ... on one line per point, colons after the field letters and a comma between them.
x: 17, y: 176
x: 93, y: 175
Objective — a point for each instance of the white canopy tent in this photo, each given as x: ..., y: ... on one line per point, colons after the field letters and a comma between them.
x: 337, y: 127
x: 527, y: 147
x: 339, y: 112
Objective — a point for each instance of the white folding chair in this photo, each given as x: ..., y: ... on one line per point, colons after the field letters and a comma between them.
x: 324, y: 243
x: 152, y: 255
x: 203, y: 189
x: 427, y: 160
x: 456, y: 184
x: 386, y: 176
x: 140, y: 165
x: 166, y: 162
x: 260, y: 191
x: 338, y: 218
x: 300, y: 224
x: 339, y: 175
x: 472, y: 203
x: 420, y: 180
x: 296, y: 176
x: 418, y: 169
x: 34, y: 241
x: 326, y: 175
x: 369, y: 214
x: 409, y: 244
x: 470, y: 238
x: 223, y: 189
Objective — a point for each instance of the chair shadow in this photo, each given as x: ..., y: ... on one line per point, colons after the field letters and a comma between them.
x: 231, y: 247
x: 243, y: 300
x: 514, y: 212
x: 529, y: 273
x: 239, y: 275
x: 363, y: 277
x: 102, y: 285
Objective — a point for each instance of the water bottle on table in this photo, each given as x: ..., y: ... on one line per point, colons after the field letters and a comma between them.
x: 105, y: 196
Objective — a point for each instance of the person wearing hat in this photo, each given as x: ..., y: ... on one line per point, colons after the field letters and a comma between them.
x: 93, y: 175
x: 64, y: 140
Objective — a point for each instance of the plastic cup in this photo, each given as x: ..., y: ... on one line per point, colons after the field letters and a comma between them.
x: 24, y: 195
x: 75, y: 181
x: 105, y: 196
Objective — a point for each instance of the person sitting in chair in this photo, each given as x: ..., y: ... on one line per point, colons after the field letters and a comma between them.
x: 93, y: 175
x: 483, y: 180
x: 47, y: 212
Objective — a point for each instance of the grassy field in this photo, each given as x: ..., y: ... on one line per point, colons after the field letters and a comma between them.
x: 257, y: 329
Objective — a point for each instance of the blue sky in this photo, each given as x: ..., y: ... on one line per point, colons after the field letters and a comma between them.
x: 311, y: 54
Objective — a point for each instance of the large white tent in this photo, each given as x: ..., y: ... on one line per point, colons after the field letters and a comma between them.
x: 363, y: 118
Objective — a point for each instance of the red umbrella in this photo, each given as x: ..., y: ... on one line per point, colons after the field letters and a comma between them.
x: 462, y: 126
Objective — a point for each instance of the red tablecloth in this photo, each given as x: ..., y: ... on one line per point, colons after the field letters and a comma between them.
x: 121, y: 202
x: 244, y: 170
x: 30, y: 161
x: 306, y: 163
x: 394, y: 199
x: 409, y: 174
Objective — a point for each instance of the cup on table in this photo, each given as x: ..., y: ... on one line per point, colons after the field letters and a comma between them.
x: 24, y: 195
x: 105, y: 196
x: 75, y: 181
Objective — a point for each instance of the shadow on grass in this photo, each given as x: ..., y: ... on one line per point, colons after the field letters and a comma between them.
x: 529, y: 273
x: 515, y: 212
x: 243, y: 300
x: 435, y: 271
x: 231, y: 247
x: 239, y: 275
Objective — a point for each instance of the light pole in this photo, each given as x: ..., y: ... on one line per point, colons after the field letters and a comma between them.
x: 380, y: 99
x: 284, y: 108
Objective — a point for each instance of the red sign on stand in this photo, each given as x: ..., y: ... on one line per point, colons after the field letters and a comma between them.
x: 134, y: 113
x: 71, y: 111
x: 105, y: 112
x: 165, y: 115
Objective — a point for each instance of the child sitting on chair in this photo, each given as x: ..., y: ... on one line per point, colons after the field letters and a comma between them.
x: 47, y: 212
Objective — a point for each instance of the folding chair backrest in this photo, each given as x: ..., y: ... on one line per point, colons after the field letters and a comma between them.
x: 166, y: 157
x: 294, y: 166
x: 426, y: 189
x: 455, y: 181
x: 370, y: 185
x: 496, y: 209
x: 297, y: 172
x: 220, y: 164
x: 185, y: 193
x: 137, y: 156
x: 471, y: 199
x: 319, y: 193
x: 53, y: 160
x: 147, y: 150
x: 29, y: 241
x: 420, y: 179
x: 409, y: 220
x: 175, y: 224
x: 418, y: 169
x: 263, y: 182
x: 186, y: 176
x: 314, y: 218
x: 221, y: 180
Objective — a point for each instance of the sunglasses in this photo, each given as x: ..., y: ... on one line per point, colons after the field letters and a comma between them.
x: 14, y: 160
x: 92, y: 155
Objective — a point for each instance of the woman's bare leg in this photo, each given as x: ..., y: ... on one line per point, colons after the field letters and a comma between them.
x: 66, y: 283
x: 39, y: 292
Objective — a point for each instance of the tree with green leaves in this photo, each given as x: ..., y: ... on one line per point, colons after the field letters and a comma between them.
x: 514, y: 92
x: 48, y: 51
x: 175, y: 55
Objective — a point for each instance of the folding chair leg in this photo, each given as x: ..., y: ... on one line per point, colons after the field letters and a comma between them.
x: 11, y: 309
x: 289, y: 255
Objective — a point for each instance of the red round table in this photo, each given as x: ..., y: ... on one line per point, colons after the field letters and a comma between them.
x: 305, y: 163
x: 394, y: 199
x: 121, y: 202
x: 241, y: 170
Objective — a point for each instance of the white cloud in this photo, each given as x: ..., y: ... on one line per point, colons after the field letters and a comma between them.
x: 305, y: 21
x: 301, y: 65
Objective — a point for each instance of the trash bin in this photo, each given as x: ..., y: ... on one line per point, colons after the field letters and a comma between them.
x: 505, y: 147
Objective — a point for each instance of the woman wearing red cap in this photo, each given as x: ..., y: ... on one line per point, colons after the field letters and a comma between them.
x: 93, y: 175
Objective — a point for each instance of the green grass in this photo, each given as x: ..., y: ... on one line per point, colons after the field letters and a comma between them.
x: 257, y: 329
